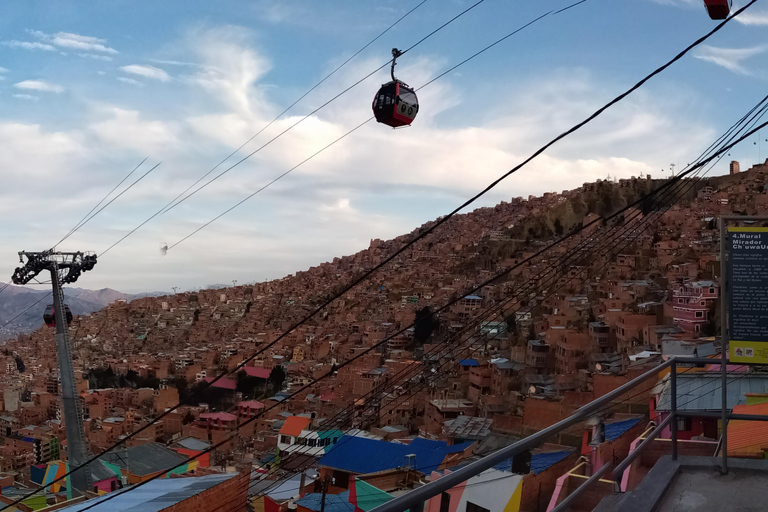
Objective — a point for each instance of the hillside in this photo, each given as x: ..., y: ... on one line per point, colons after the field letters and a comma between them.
x: 16, y: 299
x: 462, y: 252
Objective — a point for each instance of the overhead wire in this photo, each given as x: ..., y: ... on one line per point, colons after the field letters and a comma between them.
x: 444, y: 219
x: 178, y: 200
x: 77, y: 225
x: 289, y: 107
x: 670, y: 182
x: 303, y: 388
x: 332, y: 143
x: 609, y: 239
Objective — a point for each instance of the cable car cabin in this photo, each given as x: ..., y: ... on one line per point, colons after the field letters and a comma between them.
x: 50, y: 318
x: 718, y: 9
x: 395, y: 104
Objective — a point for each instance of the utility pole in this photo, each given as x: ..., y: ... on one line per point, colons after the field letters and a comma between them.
x: 174, y: 288
x: 65, y: 268
x: 325, y: 491
x: 234, y: 283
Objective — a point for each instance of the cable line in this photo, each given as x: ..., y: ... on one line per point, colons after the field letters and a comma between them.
x: 279, y: 177
x: 178, y: 199
x: 303, y: 388
x: 444, y: 219
x: 77, y: 226
x: 281, y: 114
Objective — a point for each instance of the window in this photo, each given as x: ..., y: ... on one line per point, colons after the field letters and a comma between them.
x: 679, y: 301
x: 683, y: 424
x: 471, y: 507
x: 711, y: 290
x: 699, y: 314
x: 286, y: 439
x: 445, y: 502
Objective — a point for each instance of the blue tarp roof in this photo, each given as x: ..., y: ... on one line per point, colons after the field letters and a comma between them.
x: 360, y: 455
x: 613, y: 431
x: 420, y: 442
x: 333, y: 502
x: 540, y: 462
x: 468, y: 362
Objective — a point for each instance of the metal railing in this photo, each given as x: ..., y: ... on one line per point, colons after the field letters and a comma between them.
x: 416, y: 499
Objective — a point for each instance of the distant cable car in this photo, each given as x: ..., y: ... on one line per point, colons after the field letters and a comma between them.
x: 718, y: 9
x: 395, y: 104
x: 50, y: 318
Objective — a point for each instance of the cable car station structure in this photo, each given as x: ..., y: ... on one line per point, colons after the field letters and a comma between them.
x: 65, y: 268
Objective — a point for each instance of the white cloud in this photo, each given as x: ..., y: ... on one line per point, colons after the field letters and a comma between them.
x: 26, y: 97
x: 753, y: 18
x: 3, y: 70
x: 76, y: 41
x: 65, y: 40
x: 95, y: 57
x: 39, y: 85
x: 147, y: 72
x: 130, y: 81
x: 128, y: 129
x: 26, y: 45
x: 729, y: 58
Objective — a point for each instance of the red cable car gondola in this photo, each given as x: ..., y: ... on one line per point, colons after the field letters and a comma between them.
x: 718, y: 9
x: 50, y: 318
x: 395, y: 104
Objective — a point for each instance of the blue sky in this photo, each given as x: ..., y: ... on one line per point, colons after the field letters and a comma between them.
x: 88, y: 89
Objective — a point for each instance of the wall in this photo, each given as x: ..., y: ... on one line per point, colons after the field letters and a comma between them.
x: 492, y: 489
x: 229, y: 496
x: 538, y: 489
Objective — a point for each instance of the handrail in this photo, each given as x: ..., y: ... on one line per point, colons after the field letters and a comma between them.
x: 446, y: 482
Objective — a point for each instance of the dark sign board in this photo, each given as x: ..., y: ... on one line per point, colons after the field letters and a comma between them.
x: 747, y: 282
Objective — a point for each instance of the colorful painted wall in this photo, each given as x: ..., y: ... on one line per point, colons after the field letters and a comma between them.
x: 494, y: 490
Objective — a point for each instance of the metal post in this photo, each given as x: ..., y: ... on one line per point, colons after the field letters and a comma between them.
x: 673, y: 407
x: 73, y: 421
x: 723, y: 345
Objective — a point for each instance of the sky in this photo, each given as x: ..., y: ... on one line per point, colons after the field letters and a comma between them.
x: 90, y: 89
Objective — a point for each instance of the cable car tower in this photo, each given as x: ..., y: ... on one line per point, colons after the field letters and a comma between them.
x: 65, y: 268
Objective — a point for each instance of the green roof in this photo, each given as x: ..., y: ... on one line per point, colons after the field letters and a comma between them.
x: 368, y: 496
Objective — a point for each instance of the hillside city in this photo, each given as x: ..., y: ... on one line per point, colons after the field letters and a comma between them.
x: 499, y: 364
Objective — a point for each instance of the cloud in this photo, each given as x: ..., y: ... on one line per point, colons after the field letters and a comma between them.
x: 94, y: 56
x: 50, y: 42
x: 729, y: 58
x: 147, y: 72
x: 39, y: 85
x: 232, y: 69
x: 753, y: 18
x: 129, y: 129
x: 26, y: 97
x: 26, y: 45
x: 3, y: 70
x: 78, y: 42
x: 130, y: 81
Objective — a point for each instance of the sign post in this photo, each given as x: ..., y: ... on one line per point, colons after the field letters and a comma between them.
x: 743, y: 301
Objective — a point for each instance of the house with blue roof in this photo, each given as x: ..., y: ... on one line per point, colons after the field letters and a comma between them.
x: 354, y: 456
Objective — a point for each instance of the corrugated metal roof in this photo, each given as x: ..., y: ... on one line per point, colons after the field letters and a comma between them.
x: 540, y: 462
x: 748, y: 438
x: 468, y: 427
x: 333, y: 502
x: 144, y: 459
x: 190, y: 443
x: 294, y: 425
x: 156, y: 495
x: 360, y: 455
x: 468, y: 362
x: 701, y: 391
x: 615, y: 430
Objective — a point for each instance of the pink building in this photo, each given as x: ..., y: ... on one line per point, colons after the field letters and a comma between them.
x: 691, y: 304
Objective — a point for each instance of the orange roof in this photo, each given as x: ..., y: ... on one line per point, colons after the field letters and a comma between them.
x: 748, y: 438
x: 294, y: 425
